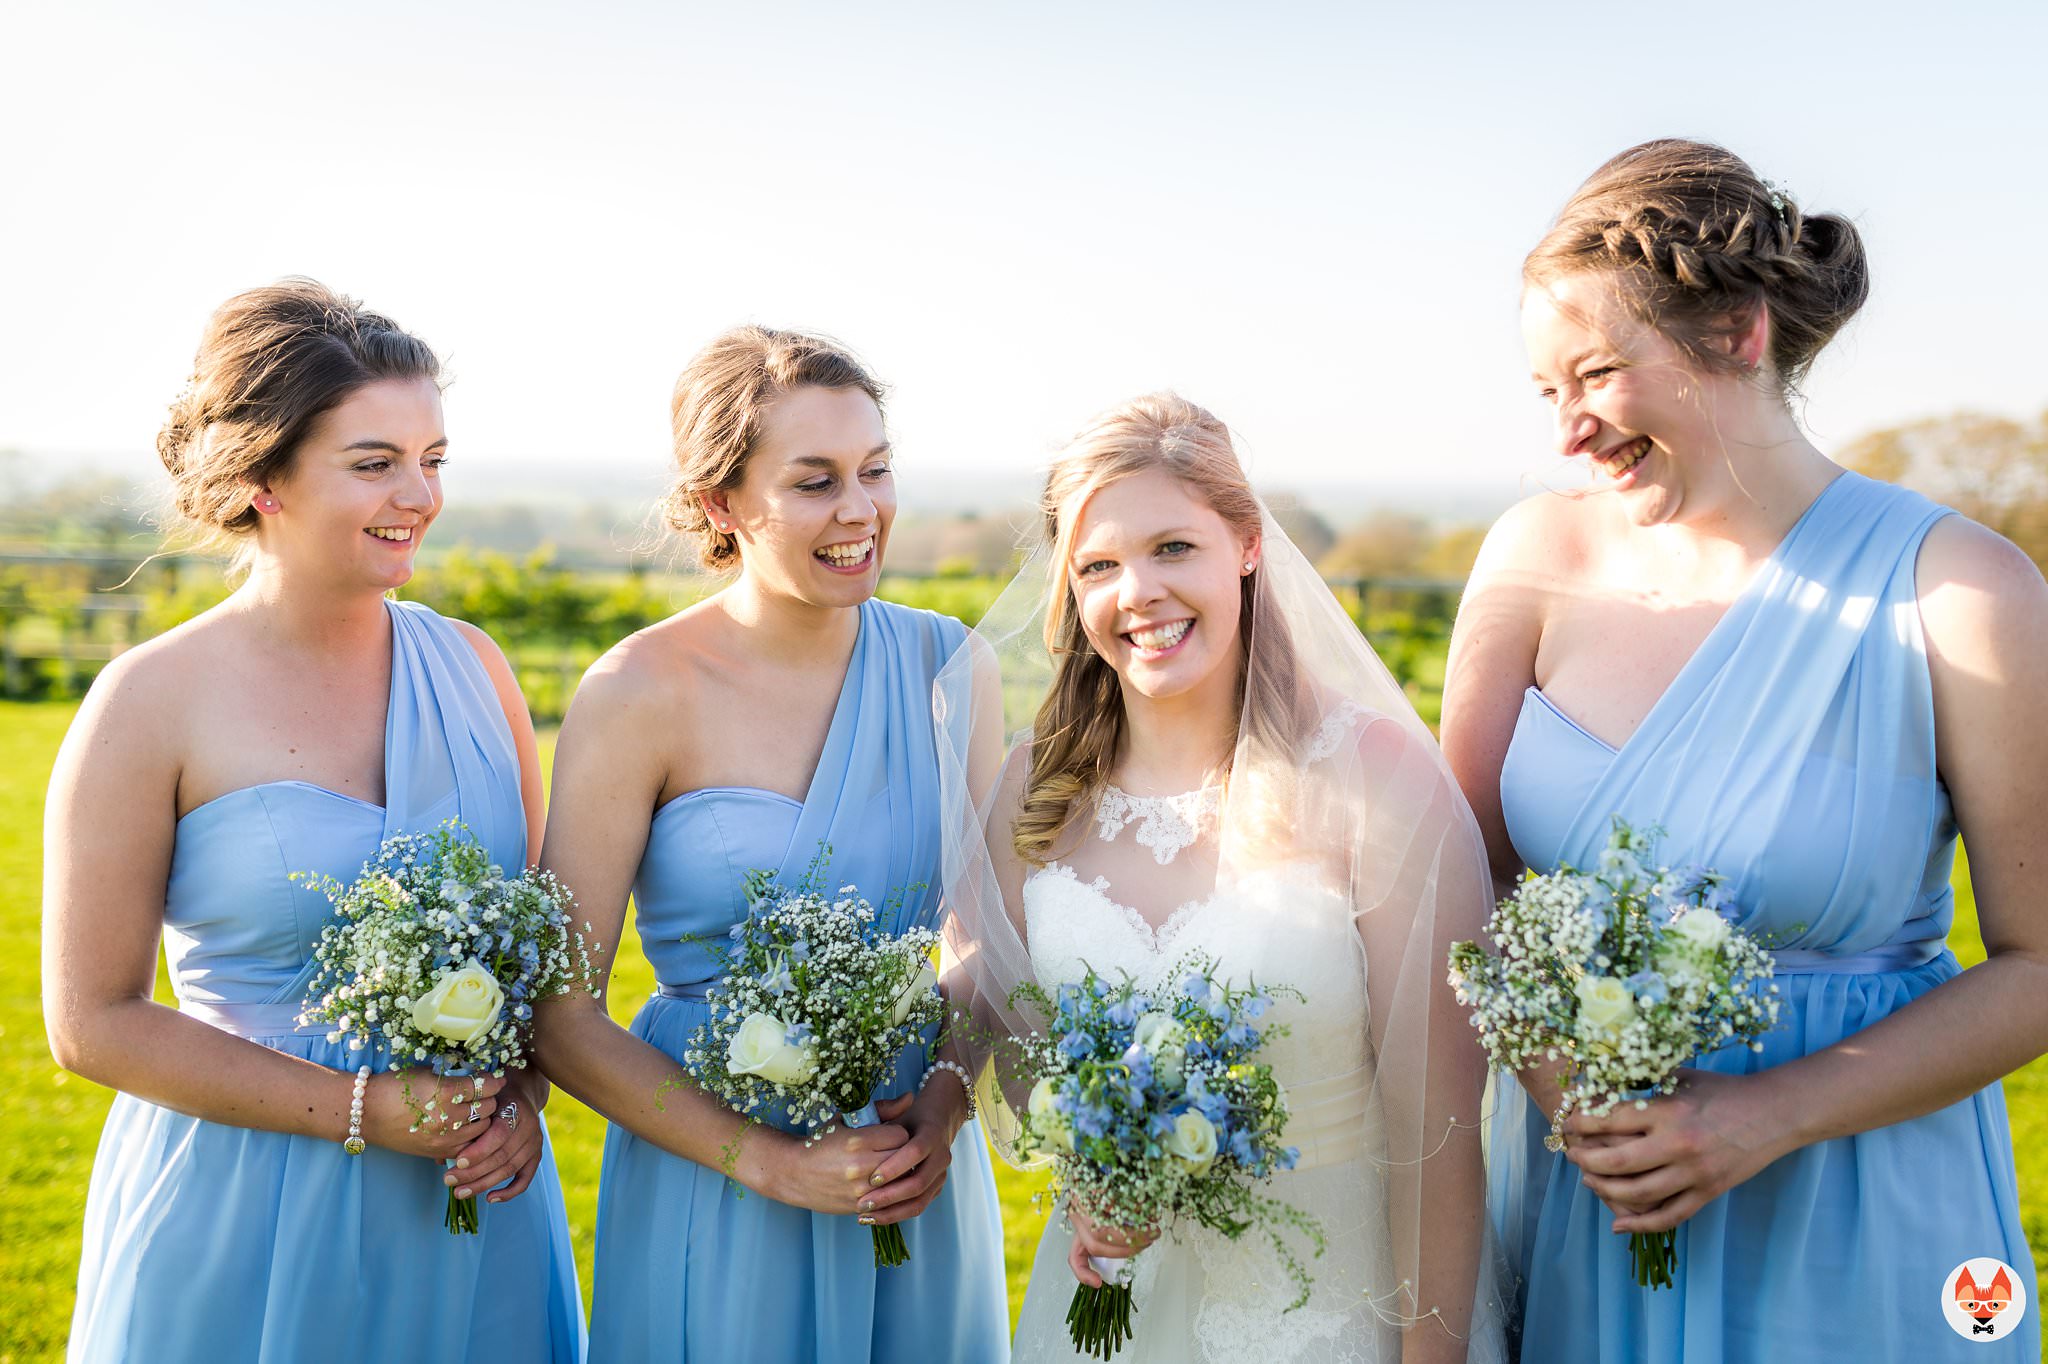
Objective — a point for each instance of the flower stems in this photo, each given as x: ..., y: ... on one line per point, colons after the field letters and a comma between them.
x: 461, y: 1218
x: 1099, y: 1319
x: 890, y: 1251
x: 1656, y: 1256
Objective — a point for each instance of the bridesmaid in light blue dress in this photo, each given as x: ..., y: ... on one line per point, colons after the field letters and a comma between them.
x: 292, y: 728
x: 1815, y: 712
x: 788, y: 713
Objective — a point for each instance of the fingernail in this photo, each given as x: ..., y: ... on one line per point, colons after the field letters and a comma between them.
x: 876, y: 1180
x: 462, y: 1193
x: 463, y: 1163
x: 449, y: 1180
x: 868, y: 1205
x: 867, y: 1221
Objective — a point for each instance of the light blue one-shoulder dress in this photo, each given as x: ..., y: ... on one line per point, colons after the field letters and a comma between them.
x: 230, y: 1245
x: 690, y: 1266
x: 1795, y: 754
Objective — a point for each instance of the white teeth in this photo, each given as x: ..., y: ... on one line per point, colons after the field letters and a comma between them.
x: 399, y: 533
x: 1165, y: 637
x: 846, y: 556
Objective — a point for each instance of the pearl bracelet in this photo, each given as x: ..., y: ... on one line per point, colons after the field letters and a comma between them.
x: 354, y: 1144
x: 966, y: 1081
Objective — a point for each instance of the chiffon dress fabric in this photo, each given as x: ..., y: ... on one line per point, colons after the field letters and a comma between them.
x: 1794, y: 753
x: 690, y: 1266
x: 206, y: 1241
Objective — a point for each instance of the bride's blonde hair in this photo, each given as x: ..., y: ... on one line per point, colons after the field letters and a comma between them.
x: 1079, y: 727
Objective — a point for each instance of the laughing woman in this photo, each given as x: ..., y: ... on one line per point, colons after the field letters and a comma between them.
x: 787, y: 713
x: 291, y: 728
x: 1813, y: 682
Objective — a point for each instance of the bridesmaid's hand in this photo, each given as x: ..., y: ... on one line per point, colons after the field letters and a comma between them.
x: 509, y: 1147
x: 388, y: 1111
x: 1111, y: 1243
x: 1658, y: 1166
x: 831, y: 1174
x: 910, y: 1177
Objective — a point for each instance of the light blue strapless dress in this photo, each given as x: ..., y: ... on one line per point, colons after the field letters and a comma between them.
x: 689, y: 1265
x: 1795, y: 754
x: 229, y: 1245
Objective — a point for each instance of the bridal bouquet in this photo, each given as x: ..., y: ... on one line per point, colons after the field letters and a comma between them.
x: 439, y: 956
x: 815, y: 1004
x: 1623, y: 975
x: 1150, y: 1106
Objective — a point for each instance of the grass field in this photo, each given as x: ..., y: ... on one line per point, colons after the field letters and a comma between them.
x: 50, y: 1121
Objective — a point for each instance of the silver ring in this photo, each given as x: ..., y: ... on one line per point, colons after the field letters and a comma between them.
x: 475, y: 1110
x: 510, y: 1113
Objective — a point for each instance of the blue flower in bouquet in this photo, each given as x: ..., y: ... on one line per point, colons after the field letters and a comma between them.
x: 778, y: 981
x: 1255, y: 1007
x: 1124, y: 1013
x: 1077, y: 1044
x: 1241, y: 1035
x: 1648, y: 986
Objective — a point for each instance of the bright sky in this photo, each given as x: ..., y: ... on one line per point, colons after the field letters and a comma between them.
x: 1307, y: 217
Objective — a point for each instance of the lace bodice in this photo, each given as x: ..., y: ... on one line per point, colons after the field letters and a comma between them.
x: 1166, y: 824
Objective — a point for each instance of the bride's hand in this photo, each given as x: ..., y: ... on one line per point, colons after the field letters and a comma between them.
x: 1111, y: 1243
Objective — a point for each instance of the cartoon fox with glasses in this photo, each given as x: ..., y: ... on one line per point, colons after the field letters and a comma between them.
x: 1983, y: 1305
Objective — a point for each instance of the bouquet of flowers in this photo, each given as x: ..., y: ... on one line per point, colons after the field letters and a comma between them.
x: 815, y: 1005
x: 1150, y: 1106
x: 1622, y: 975
x: 439, y: 957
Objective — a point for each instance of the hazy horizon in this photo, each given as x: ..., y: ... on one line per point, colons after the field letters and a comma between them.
x: 1310, y: 219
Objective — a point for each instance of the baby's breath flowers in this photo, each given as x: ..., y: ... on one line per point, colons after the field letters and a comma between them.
x: 814, y: 1004
x: 1149, y: 1106
x: 438, y: 957
x: 1616, y: 978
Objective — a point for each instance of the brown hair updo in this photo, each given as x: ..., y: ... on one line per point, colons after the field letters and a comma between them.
x: 715, y: 417
x: 270, y: 362
x: 1080, y: 724
x: 1697, y: 242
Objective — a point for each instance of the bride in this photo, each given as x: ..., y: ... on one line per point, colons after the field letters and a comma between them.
x: 1216, y: 762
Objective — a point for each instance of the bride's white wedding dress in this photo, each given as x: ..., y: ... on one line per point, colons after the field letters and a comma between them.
x: 1198, y: 1295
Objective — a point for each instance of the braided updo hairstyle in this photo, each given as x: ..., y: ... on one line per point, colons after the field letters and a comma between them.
x: 270, y: 362
x: 1697, y: 242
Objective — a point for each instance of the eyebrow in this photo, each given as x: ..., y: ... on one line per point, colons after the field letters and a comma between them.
x: 372, y: 443
x: 827, y: 462
x: 1177, y: 533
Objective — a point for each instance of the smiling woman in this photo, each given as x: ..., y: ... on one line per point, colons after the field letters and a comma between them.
x: 258, y: 1189
x: 784, y: 720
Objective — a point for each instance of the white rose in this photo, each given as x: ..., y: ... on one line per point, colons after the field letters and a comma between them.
x: 1047, y: 1121
x: 927, y: 979
x: 762, y: 1047
x: 1702, y: 930
x: 463, y: 1006
x: 1162, y: 1037
x: 1192, y: 1142
x: 1605, y: 1005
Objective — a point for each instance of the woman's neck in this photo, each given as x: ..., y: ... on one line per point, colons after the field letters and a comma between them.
x: 1179, y: 743
x: 311, y: 617
x: 785, y: 631
x: 1746, y: 488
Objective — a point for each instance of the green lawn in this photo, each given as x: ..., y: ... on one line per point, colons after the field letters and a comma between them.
x: 50, y: 1121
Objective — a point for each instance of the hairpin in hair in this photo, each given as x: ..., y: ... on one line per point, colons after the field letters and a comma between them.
x: 1777, y: 200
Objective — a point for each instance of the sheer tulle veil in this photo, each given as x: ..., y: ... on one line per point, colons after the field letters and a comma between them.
x: 1336, y: 784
